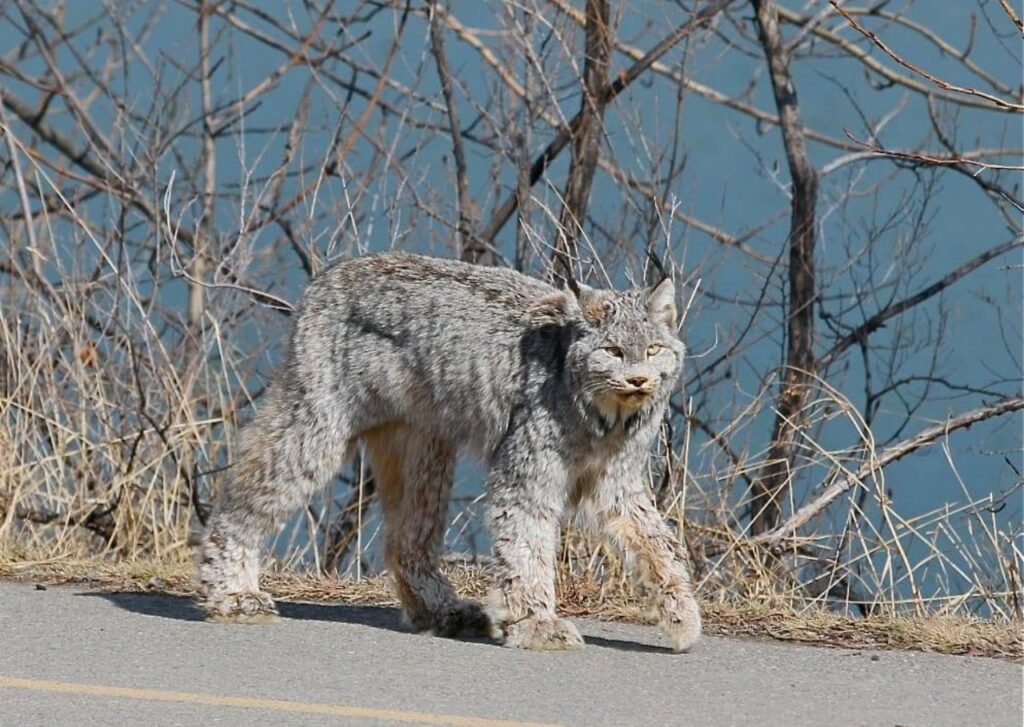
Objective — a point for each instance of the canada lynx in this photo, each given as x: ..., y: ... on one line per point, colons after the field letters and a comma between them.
x: 560, y: 392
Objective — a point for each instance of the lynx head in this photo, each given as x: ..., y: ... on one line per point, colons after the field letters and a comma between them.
x: 625, y: 354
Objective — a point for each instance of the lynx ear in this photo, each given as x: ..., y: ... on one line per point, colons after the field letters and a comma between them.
x: 554, y: 310
x: 661, y: 303
x: 596, y: 305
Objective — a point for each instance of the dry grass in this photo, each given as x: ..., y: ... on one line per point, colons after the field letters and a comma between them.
x: 580, y: 597
x: 110, y: 461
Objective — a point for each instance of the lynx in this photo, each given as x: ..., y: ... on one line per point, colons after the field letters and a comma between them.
x: 559, y: 392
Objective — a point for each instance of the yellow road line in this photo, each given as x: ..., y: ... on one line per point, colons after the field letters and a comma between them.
x: 277, y: 705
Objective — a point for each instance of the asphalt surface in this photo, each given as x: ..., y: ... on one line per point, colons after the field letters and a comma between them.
x: 74, y: 657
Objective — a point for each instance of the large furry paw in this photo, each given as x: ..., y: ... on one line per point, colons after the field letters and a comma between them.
x: 543, y: 634
x: 462, y: 618
x: 681, y: 624
x: 248, y: 607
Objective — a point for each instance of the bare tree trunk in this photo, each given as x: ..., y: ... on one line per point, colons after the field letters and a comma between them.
x: 769, y: 489
x: 522, y: 149
x: 197, y: 268
x: 471, y: 247
x: 623, y: 79
x: 586, y: 140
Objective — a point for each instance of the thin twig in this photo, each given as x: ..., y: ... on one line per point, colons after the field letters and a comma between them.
x: 999, y: 103
x: 889, y: 455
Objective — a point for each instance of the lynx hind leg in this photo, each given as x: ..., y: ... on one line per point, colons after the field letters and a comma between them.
x: 285, y: 455
x: 414, y: 474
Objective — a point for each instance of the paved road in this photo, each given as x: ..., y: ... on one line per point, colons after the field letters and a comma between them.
x: 74, y: 657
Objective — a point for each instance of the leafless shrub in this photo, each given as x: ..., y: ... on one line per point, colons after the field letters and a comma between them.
x: 173, y: 172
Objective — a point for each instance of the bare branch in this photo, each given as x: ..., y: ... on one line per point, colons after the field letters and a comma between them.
x: 1012, y: 15
x: 995, y: 101
x: 872, y: 324
x: 19, y: 181
x: 891, y: 454
x: 851, y: 49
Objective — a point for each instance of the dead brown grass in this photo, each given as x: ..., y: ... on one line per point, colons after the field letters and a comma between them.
x: 579, y: 596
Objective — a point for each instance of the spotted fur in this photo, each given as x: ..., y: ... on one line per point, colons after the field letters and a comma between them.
x: 560, y: 393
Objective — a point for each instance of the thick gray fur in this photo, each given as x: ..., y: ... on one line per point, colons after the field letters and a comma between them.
x: 560, y: 392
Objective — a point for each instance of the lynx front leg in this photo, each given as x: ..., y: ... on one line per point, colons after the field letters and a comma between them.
x: 228, y: 581
x: 634, y: 526
x: 525, y: 513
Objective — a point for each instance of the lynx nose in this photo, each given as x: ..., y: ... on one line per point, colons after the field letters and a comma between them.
x: 640, y: 382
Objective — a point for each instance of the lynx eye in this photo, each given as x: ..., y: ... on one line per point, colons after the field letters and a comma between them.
x: 614, y: 351
x: 654, y: 349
